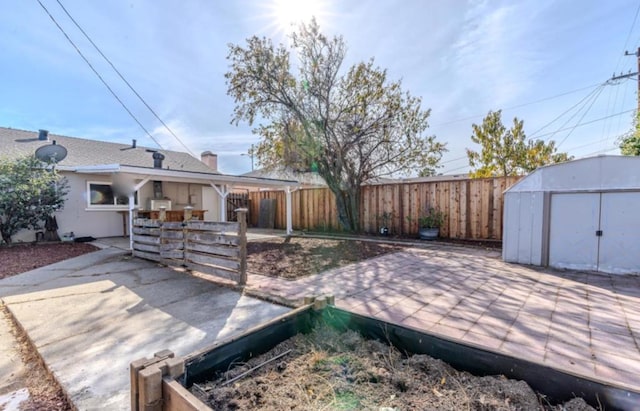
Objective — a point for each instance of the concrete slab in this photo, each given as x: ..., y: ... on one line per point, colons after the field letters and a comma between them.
x: 12, y: 370
x: 89, y: 317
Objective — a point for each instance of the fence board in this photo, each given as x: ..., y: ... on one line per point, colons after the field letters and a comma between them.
x: 172, y: 235
x: 214, y: 249
x: 473, y: 207
x: 213, y: 226
x: 146, y: 231
x: 146, y: 239
x: 209, y: 260
x: 212, y: 238
x: 173, y: 254
x: 146, y: 247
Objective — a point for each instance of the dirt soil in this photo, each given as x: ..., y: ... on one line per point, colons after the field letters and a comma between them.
x: 44, y: 391
x: 297, y: 257
x: 332, y: 370
x: 20, y: 258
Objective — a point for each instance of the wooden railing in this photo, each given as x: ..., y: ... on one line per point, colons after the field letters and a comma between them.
x: 208, y: 247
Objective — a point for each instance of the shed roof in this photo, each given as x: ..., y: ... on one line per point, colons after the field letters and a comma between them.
x: 606, y: 172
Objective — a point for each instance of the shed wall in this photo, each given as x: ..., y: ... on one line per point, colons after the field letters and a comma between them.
x: 523, y: 228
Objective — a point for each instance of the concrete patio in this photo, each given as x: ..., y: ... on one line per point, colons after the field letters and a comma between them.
x: 90, y: 316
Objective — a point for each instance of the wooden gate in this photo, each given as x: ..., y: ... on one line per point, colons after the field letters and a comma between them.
x: 236, y: 201
x: 205, y: 246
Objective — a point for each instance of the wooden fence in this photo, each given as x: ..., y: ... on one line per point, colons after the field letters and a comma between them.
x: 205, y: 246
x: 473, y: 207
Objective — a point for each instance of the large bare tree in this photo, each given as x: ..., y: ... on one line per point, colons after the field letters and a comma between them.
x: 350, y: 125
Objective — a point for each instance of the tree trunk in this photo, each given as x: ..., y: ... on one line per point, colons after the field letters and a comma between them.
x: 348, y: 205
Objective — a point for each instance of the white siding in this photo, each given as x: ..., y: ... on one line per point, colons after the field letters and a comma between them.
x: 523, y: 228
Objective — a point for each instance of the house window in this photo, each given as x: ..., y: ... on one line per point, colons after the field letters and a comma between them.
x: 101, y: 194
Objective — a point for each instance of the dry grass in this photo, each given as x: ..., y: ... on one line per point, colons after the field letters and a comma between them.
x: 331, y: 370
x: 44, y: 391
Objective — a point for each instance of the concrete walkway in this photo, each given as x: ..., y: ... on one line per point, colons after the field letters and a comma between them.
x: 90, y: 316
x: 584, y: 323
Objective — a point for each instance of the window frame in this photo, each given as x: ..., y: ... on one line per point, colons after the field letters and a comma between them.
x: 114, y: 206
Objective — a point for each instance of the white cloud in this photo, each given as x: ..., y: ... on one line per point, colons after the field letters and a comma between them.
x: 497, y: 54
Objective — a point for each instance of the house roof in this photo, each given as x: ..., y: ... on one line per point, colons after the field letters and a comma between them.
x: 304, y: 178
x: 84, y: 152
x: 95, y: 157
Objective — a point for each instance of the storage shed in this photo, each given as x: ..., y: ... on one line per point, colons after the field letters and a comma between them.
x: 582, y: 214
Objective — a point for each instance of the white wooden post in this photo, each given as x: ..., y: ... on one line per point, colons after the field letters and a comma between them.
x: 223, y: 192
x: 287, y: 191
x: 132, y: 206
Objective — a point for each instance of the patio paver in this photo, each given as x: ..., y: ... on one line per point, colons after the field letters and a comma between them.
x: 584, y: 323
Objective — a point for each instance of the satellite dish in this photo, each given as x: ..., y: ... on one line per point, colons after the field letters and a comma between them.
x: 52, y: 153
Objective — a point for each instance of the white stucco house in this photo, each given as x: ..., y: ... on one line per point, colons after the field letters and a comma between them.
x: 172, y: 179
x: 582, y: 214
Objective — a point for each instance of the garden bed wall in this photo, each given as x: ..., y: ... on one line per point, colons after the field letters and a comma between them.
x: 473, y: 207
x: 161, y: 380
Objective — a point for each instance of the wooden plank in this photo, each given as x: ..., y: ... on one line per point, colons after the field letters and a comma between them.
x: 214, y: 249
x: 173, y: 245
x: 146, y: 247
x: 146, y: 239
x: 211, y: 238
x: 211, y: 260
x: 145, y: 222
x: 465, y: 225
x: 454, y: 210
x: 172, y: 225
x: 172, y: 235
x: 178, y: 398
x: 213, y: 226
x: 172, y: 254
x: 146, y: 231
x: 147, y: 256
x: 217, y: 271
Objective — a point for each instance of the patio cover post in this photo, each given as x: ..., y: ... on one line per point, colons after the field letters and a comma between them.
x: 132, y: 206
x: 287, y: 191
x: 223, y: 191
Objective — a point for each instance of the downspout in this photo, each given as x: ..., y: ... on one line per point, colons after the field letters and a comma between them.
x: 288, y: 191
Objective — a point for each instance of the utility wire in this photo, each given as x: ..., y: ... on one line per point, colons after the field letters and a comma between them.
x: 581, y: 118
x: 568, y: 110
x: 589, y: 122
x: 98, y: 74
x: 123, y: 79
x: 521, y: 105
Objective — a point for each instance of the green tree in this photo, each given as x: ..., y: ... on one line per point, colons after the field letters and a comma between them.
x: 630, y: 143
x: 350, y: 126
x: 508, y: 152
x: 29, y: 192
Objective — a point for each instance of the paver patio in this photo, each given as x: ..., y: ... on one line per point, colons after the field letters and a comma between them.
x: 584, y: 323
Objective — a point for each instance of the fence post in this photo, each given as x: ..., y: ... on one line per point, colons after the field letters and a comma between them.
x: 242, y: 234
x: 188, y: 213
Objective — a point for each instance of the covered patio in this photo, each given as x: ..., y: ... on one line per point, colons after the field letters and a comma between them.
x: 215, y: 187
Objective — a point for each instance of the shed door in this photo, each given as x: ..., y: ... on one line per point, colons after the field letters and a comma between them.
x: 620, y: 241
x: 574, y: 221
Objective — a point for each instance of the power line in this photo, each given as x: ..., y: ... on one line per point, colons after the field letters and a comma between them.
x: 125, y: 80
x: 589, y: 122
x: 521, y: 105
x: 581, y: 118
x: 98, y: 74
x: 568, y: 110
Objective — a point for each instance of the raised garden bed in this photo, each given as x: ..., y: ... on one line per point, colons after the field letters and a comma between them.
x: 334, y: 359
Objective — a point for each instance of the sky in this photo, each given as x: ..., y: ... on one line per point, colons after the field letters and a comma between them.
x: 546, y: 62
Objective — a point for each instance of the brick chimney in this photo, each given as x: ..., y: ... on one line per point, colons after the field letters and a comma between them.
x: 210, y: 159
